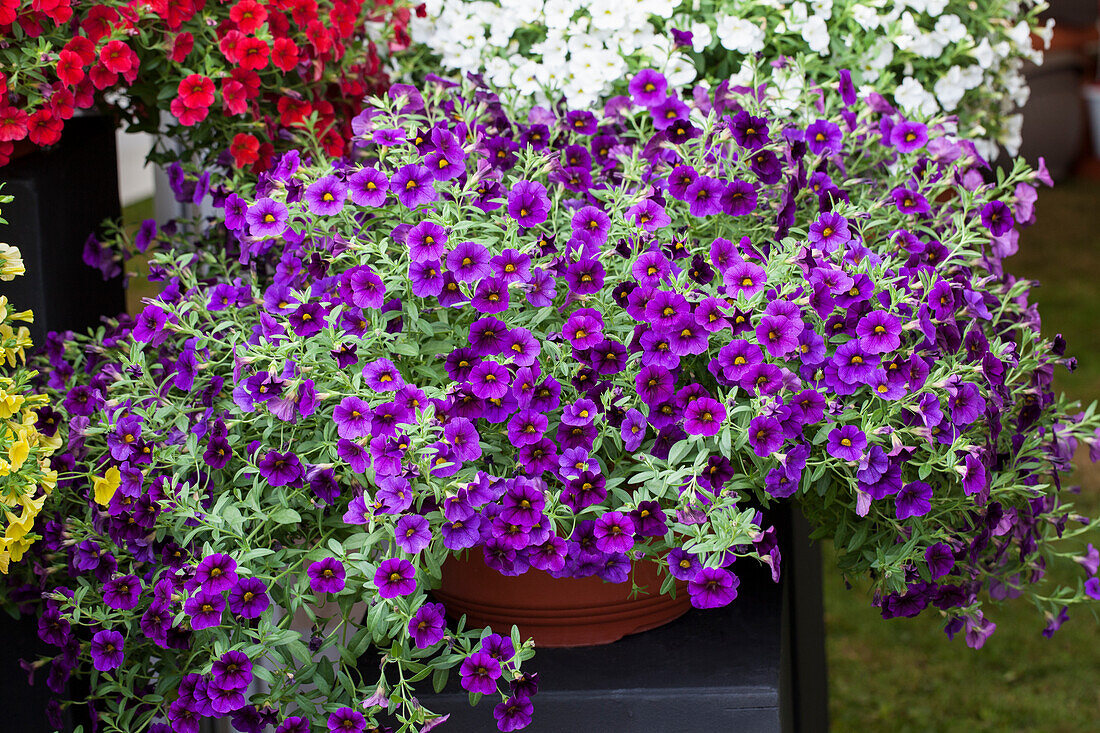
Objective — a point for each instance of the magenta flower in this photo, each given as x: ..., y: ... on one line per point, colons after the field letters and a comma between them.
x: 909, y: 136
x: 910, y: 202
x: 395, y: 577
x: 266, y: 218
x: 107, y: 650
x: 346, y: 720
x: 614, y: 532
x: 326, y: 576
x: 649, y: 215
x: 712, y: 588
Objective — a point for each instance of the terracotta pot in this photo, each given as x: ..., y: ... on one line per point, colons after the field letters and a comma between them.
x: 557, y: 612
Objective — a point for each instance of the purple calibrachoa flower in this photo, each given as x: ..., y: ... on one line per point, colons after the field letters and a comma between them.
x: 614, y: 532
x: 479, y: 673
x: 426, y: 241
x: 513, y: 713
x: 382, y: 376
x: 205, y: 609
x: 908, y: 136
x: 940, y: 560
x: 846, y: 443
x: 704, y: 416
x: 914, y: 500
x: 997, y: 218
x: 216, y: 572
x: 346, y: 720
x: 395, y: 577
x: 648, y: 88
x: 879, y: 332
x: 232, y: 671
x: 412, y: 533
x: 281, y: 469
x: 248, y: 599
x: 765, y: 435
x: 712, y: 588
x: 326, y: 196
x: 326, y: 576
x: 428, y: 625
x: 829, y: 231
x: 107, y: 650
x: 745, y: 278
x: 823, y: 138
x: 352, y: 417
x: 122, y: 593
x: 468, y: 262
x: 414, y: 185
x: 267, y: 218
x: 909, y: 201
x: 368, y: 187
x: 528, y: 203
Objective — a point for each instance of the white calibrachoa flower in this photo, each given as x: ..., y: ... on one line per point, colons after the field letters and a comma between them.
x: 958, y: 56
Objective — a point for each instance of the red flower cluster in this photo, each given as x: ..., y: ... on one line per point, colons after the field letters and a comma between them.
x: 269, y: 65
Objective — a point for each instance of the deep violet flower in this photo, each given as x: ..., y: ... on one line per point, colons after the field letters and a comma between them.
x: 823, y: 138
x: 428, y: 625
x: 368, y: 187
x: 281, y: 469
x: 426, y: 241
x: 704, y: 416
x: 914, y: 500
x: 346, y: 720
x: 997, y: 218
x: 479, y: 673
x: 205, y: 609
x: 712, y: 588
x: 829, y: 231
x: 107, y: 650
x: 614, y: 532
x: 248, y: 599
x: 528, y: 203
x: 908, y: 136
x: 326, y: 576
x: 468, y: 262
x: 216, y: 573
x: 267, y: 218
x: 846, y: 443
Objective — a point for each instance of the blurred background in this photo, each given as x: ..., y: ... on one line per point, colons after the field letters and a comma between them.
x: 904, y: 674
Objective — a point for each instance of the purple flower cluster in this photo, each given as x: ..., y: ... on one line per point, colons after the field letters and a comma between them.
x: 570, y: 344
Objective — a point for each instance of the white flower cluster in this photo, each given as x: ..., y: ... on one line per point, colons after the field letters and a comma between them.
x: 929, y: 56
x: 540, y: 49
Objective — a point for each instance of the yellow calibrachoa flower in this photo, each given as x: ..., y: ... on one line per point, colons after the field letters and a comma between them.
x: 106, y: 486
x: 11, y: 262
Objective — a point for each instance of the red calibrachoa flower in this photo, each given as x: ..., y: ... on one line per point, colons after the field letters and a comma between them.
x: 196, y: 90
x: 249, y: 15
x: 13, y: 124
x: 271, y: 62
x: 43, y: 128
x: 70, y: 68
x: 245, y: 149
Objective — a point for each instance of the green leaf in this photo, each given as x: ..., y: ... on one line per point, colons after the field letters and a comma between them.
x: 285, y: 515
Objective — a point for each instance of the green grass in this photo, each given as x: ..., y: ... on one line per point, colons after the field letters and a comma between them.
x: 903, y: 674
